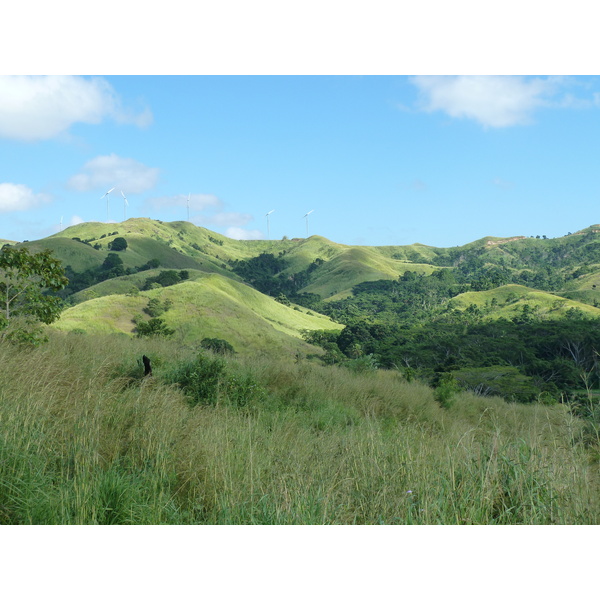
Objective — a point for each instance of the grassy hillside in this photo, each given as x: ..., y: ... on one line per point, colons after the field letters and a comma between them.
x: 508, y: 300
x: 209, y: 306
x: 355, y: 265
x: 86, y: 440
x: 71, y: 252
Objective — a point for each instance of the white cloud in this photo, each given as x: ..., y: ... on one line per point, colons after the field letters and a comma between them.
x: 493, y: 101
x: 76, y: 220
x: 41, y: 107
x: 237, y: 233
x: 127, y: 174
x: 14, y: 197
x: 197, y: 202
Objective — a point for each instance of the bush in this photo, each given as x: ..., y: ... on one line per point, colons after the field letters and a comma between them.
x: 364, y: 364
x: 446, y: 389
x: 199, y: 379
x: 217, y: 346
x: 155, y: 307
x: 207, y: 381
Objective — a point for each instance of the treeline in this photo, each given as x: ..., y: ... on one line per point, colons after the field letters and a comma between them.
x: 111, y: 267
x: 519, y: 361
x: 266, y: 273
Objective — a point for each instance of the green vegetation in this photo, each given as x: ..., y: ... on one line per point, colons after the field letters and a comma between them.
x: 208, y: 439
x: 303, y: 381
x: 24, y: 277
x: 119, y: 244
x: 209, y: 306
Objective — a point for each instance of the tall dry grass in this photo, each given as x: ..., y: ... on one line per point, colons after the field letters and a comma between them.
x: 85, y: 439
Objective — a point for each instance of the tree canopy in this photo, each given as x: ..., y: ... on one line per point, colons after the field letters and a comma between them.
x: 24, y: 280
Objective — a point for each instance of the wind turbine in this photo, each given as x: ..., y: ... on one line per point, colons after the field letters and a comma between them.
x: 188, y: 205
x: 268, y: 229
x: 306, y: 217
x: 107, y: 193
x: 61, y: 219
x: 125, y: 205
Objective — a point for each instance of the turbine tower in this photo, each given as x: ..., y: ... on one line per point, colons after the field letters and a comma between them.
x: 188, y: 206
x: 306, y: 217
x: 268, y: 229
x: 107, y: 194
x: 125, y: 205
x: 61, y: 219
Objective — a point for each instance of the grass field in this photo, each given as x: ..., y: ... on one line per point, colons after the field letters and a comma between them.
x: 85, y: 439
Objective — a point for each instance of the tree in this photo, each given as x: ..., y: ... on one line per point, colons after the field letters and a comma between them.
x: 118, y: 244
x: 24, y: 278
x: 153, y: 327
x: 111, y: 261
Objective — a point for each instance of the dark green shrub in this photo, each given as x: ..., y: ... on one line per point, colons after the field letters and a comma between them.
x: 200, y: 379
x: 243, y: 390
x: 363, y: 364
x: 217, y: 346
x: 446, y: 389
x: 155, y: 307
x: 154, y: 327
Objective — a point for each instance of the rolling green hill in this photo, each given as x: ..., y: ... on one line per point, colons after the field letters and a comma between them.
x: 210, y: 306
x: 222, y: 297
x: 337, y: 277
x: 508, y: 300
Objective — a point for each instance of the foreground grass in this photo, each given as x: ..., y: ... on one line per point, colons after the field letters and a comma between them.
x: 85, y: 440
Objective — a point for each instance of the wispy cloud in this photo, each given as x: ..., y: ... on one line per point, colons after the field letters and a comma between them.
x: 75, y: 220
x: 492, y: 101
x: 238, y: 233
x: 212, y: 209
x: 107, y: 171
x: 16, y: 197
x: 417, y: 185
x: 197, y: 202
x: 502, y: 183
x: 42, y: 107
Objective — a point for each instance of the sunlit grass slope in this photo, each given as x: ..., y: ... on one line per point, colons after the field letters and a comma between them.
x: 86, y: 440
x: 210, y: 306
x: 585, y: 288
x: 510, y: 299
x: 355, y: 265
x: 126, y: 284
x: 70, y: 252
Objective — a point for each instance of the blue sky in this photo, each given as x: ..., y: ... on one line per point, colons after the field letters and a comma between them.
x: 381, y: 160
